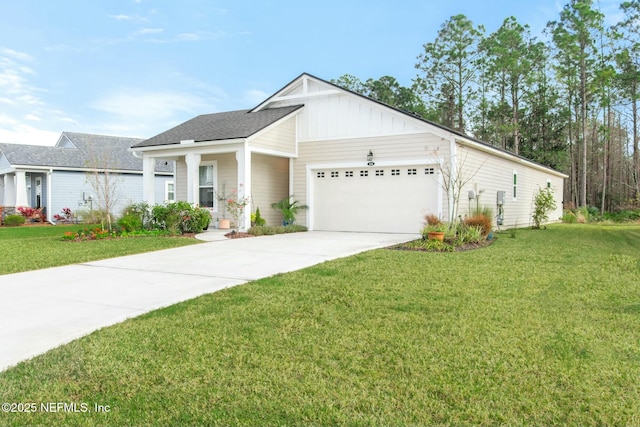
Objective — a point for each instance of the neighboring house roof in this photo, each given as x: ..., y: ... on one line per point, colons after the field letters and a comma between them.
x: 80, y: 151
x: 220, y: 126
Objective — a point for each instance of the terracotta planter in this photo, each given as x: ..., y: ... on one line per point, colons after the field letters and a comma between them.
x: 224, y: 224
x: 435, y: 235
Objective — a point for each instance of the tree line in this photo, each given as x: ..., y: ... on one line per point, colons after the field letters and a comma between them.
x: 567, y: 98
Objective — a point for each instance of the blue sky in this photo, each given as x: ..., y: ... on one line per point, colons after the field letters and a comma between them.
x: 138, y: 67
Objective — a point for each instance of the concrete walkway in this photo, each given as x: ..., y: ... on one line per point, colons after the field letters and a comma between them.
x: 42, y: 309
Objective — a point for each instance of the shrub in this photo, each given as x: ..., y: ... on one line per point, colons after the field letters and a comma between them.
x: 569, y: 217
x: 271, y: 230
x: 14, y: 220
x: 473, y: 234
x: 543, y: 204
x: 181, y: 217
x: 130, y: 222
x: 256, y: 219
x: 481, y: 221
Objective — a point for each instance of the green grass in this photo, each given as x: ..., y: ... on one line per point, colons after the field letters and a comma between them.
x: 35, y: 247
x: 541, y: 329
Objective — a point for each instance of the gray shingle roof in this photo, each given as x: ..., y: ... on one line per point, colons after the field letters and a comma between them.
x: 220, y: 126
x: 90, y: 150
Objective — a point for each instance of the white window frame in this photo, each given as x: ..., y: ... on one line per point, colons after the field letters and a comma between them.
x: 514, y: 182
x: 166, y: 192
x: 214, y: 165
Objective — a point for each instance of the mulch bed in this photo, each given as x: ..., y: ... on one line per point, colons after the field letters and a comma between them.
x: 238, y: 235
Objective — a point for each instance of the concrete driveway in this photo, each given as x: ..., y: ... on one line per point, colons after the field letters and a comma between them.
x: 40, y: 310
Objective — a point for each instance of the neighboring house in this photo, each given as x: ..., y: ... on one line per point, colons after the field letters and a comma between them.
x: 56, y: 177
x: 358, y: 164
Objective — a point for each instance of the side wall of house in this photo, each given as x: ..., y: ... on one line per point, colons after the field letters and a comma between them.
x: 269, y: 184
x: 72, y: 190
x: 488, y: 174
x: 424, y: 148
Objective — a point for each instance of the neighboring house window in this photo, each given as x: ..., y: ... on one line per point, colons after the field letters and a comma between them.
x: 170, y: 191
x: 515, y: 185
x: 207, y: 185
x: 548, y: 183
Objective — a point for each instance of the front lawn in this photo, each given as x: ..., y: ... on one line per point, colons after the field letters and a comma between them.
x: 33, y: 247
x: 540, y: 329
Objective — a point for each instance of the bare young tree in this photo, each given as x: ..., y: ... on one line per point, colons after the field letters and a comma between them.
x: 455, y: 175
x: 103, y: 180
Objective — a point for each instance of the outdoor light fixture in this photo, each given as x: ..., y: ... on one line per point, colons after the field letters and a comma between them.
x: 370, y: 159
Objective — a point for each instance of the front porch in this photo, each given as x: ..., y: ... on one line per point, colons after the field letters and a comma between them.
x: 22, y: 188
x: 209, y: 177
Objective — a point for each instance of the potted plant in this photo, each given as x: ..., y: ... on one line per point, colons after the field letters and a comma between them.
x: 289, y: 209
x: 224, y: 223
x: 434, y: 228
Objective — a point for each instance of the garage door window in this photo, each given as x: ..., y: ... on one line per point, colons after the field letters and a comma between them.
x: 364, y: 173
x: 412, y: 171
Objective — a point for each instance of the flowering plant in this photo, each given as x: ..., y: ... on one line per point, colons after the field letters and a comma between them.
x: 236, y: 206
x: 66, y: 216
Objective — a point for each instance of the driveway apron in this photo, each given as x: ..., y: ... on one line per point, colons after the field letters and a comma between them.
x: 43, y: 309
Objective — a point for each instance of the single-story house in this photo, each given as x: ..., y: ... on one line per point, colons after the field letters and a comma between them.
x: 358, y: 164
x: 57, y: 177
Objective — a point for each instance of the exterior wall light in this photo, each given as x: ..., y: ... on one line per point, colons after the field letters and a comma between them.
x: 370, y: 159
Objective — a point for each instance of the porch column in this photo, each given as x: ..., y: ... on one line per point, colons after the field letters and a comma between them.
x: 148, y: 179
x: 193, y: 177
x: 49, y: 196
x: 21, y: 189
x: 9, y: 190
x: 243, y: 157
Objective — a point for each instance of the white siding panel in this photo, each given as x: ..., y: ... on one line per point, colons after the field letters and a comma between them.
x: 281, y: 138
x: 269, y: 184
x: 492, y: 174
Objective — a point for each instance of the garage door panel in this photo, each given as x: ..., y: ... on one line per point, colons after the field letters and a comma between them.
x: 390, y: 199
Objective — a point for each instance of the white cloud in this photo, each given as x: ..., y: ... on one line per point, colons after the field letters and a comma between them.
x: 33, y: 118
x: 17, y: 132
x: 143, y: 114
x: 144, y: 31
x: 121, y: 17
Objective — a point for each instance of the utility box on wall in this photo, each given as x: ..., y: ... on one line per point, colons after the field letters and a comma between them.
x: 500, y: 198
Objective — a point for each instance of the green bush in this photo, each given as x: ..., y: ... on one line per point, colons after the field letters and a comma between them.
x: 130, y: 222
x: 136, y: 217
x: 14, y: 220
x: 266, y: 230
x: 181, y: 217
x: 569, y: 217
x: 256, y: 219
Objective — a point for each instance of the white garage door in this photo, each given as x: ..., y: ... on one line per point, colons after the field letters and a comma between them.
x: 378, y: 199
